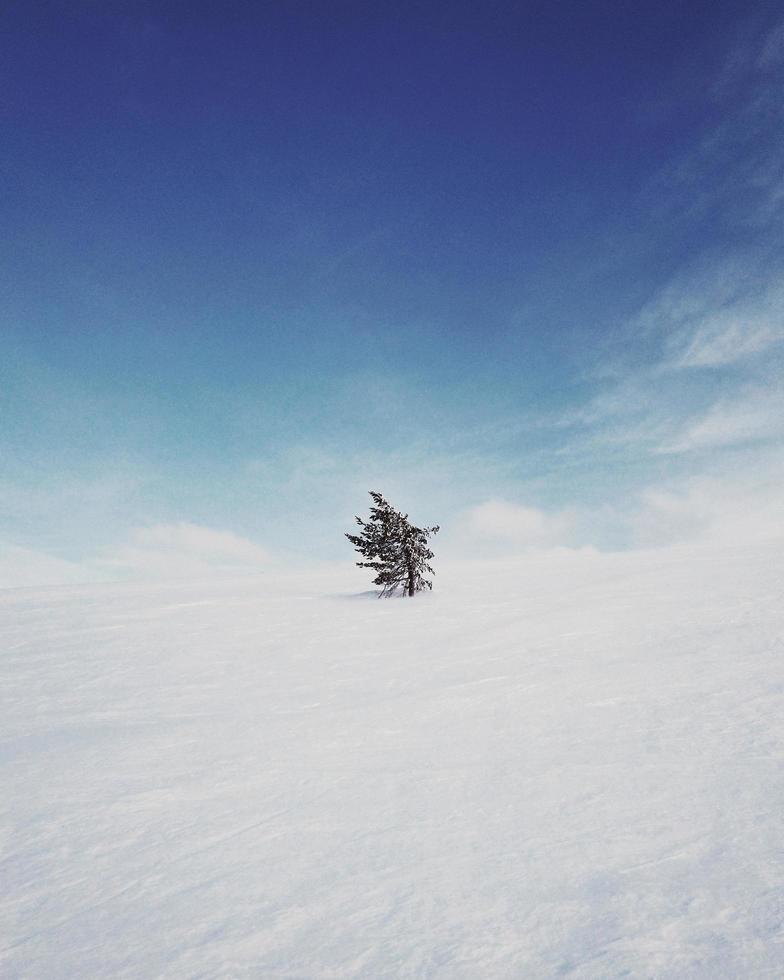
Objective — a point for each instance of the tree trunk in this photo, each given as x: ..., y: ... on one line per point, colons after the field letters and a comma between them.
x: 410, y: 580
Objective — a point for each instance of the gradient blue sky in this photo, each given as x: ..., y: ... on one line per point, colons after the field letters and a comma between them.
x: 518, y: 265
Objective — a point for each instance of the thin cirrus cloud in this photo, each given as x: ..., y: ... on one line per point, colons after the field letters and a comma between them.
x: 728, y: 338
x: 722, y: 310
x: 700, y: 368
x: 727, y: 304
x: 772, y: 53
x: 755, y: 415
x: 718, y: 336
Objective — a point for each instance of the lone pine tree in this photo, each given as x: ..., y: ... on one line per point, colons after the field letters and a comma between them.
x: 395, y: 549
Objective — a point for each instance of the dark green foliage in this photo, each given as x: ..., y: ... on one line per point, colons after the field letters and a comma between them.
x: 395, y: 549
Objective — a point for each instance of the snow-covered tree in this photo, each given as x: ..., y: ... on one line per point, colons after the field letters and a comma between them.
x: 394, y: 548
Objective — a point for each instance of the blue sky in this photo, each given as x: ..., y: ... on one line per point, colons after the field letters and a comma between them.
x: 519, y: 266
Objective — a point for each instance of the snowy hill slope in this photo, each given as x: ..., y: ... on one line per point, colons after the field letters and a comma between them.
x: 572, y: 767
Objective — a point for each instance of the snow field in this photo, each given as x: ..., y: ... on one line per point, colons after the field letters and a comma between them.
x: 568, y: 765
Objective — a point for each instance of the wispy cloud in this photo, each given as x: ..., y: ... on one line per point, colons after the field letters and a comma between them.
x: 708, y: 332
x: 727, y: 338
x: 701, y: 370
x: 731, y: 174
x: 754, y: 415
x: 772, y: 53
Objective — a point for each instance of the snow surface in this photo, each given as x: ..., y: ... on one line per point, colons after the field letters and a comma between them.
x: 565, y: 766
